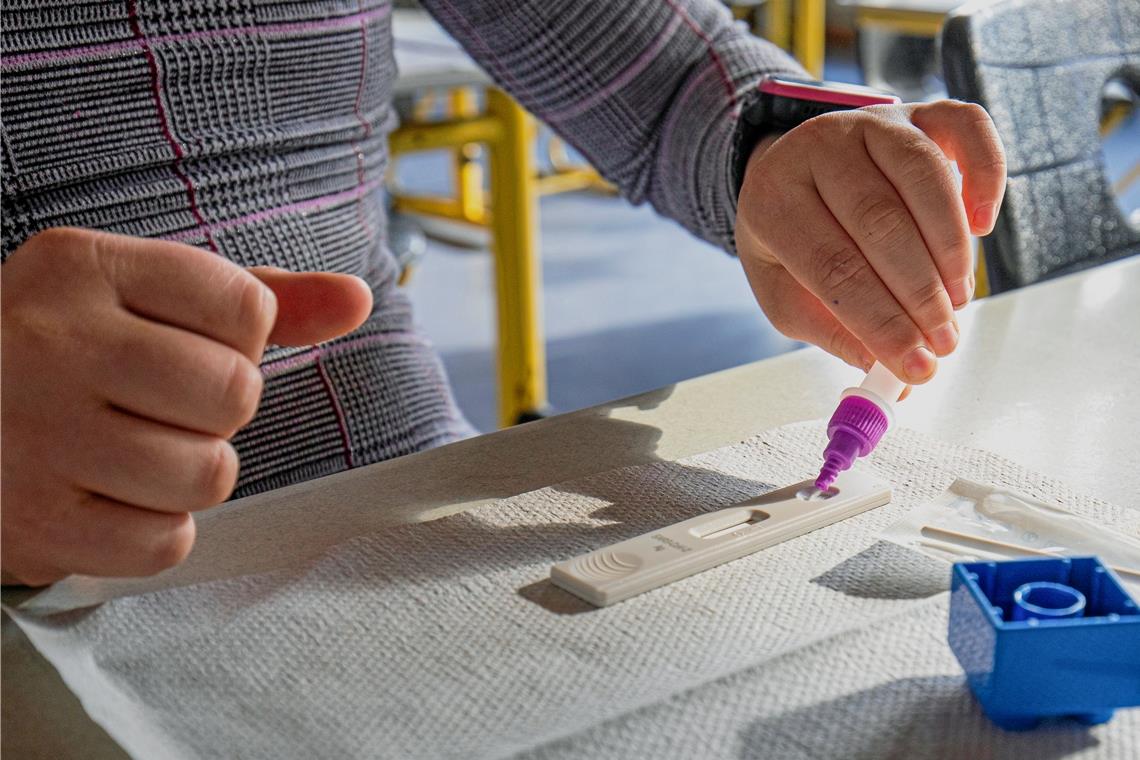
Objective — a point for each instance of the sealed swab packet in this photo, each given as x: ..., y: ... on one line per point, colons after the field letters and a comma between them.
x: 972, y: 521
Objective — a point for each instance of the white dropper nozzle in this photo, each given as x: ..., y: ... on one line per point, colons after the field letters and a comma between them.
x: 881, y: 388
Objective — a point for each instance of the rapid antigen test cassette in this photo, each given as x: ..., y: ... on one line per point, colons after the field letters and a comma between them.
x: 615, y: 573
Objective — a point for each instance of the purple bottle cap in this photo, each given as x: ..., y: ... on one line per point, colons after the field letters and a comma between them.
x: 854, y: 430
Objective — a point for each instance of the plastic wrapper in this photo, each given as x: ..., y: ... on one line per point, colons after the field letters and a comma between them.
x: 972, y: 521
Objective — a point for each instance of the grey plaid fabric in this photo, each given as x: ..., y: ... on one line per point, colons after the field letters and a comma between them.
x: 258, y: 129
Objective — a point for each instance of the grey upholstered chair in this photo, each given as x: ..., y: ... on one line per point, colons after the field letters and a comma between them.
x: 1039, y: 67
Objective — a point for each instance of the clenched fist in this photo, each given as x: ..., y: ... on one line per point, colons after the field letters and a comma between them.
x: 127, y: 364
x: 854, y: 234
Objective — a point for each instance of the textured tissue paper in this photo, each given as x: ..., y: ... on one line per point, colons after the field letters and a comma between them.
x: 446, y: 640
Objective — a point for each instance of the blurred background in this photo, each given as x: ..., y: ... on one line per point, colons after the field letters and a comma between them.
x: 609, y: 298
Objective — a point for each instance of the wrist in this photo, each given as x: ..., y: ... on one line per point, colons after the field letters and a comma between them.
x: 758, y: 151
x: 750, y: 162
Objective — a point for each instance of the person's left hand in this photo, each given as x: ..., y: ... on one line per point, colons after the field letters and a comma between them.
x: 855, y: 237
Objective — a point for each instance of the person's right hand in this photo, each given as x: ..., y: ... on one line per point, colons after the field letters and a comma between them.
x: 855, y: 235
x: 127, y: 364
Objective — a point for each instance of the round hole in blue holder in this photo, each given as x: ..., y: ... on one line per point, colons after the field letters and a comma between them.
x: 1044, y: 600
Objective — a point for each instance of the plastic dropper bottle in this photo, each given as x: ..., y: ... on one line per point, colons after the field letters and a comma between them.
x: 863, y: 415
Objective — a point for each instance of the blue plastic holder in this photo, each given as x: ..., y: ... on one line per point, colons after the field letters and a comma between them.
x: 1045, y: 638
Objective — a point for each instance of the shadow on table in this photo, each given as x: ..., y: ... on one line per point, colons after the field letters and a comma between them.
x: 930, y: 717
x: 477, y: 548
x: 553, y: 599
x: 291, y: 529
x: 887, y: 571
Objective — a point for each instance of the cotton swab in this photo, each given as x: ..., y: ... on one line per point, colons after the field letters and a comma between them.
x: 953, y: 534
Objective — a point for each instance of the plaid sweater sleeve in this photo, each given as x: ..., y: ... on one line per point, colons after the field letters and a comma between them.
x: 650, y: 91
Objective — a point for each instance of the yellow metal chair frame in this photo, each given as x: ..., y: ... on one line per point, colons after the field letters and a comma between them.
x: 568, y: 175
x: 507, y: 131
x: 469, y: 203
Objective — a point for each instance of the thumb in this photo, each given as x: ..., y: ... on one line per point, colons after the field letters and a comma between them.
x: 314, y: 306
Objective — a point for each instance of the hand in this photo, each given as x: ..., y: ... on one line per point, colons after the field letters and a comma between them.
x: 854, y: 236
x: 127, y: 364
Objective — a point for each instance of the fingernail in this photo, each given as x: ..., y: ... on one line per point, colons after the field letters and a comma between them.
x: 944, y: 338
x: 984, y: 217
x: 919, y: 364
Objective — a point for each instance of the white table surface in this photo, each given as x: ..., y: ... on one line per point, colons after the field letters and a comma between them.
x: 1048, y: 376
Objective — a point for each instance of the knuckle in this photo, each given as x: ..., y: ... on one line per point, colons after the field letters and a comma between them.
x: 882, y: 221
x: 171, y: 545
x: 217, y: 473
x: 243, y: 387
x: 953, y: 237
x: 832, y: 126
x: 925, y: 167
x: 63, y: 240
x: 930, y: 303
x: 895, y: 332
x: 840, y: 344
x: 839, y: 268
x: 972, y: 111
x: 993, y: 161
x: 121, y: 349
x: 53, y: 238
x: 952, y: 252
x: 953, y: 104
x: 253, y: 303
x: 44, y: 252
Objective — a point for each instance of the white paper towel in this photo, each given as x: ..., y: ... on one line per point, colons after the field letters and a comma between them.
x: 446, y: 640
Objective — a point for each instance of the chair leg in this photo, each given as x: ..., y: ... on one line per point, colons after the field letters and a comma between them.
x: 809, y: 43
x: 518, y: 280
x: 981, y: 279
x: 468, y: 173
x: 777, y: 27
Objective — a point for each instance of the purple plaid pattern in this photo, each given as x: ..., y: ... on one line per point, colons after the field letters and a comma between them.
x: 258, y: 129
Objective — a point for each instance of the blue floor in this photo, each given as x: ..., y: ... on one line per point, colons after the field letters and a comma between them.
x: 632, y: 302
